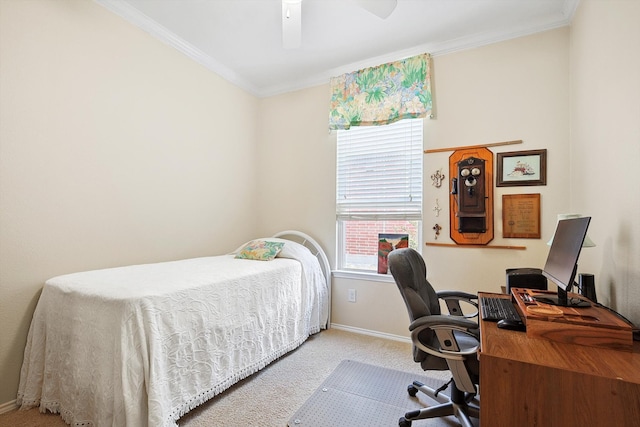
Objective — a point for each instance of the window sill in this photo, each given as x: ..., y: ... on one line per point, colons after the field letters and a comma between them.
x: 361, y: 275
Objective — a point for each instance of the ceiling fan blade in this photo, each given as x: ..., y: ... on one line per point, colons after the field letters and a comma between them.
x: 291, y: 24
x: 380, y: 8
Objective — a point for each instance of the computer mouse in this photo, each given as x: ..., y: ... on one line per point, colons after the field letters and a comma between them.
x: 514, y: 325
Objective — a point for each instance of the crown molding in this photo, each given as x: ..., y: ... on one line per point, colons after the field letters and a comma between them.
x: 140, y: 20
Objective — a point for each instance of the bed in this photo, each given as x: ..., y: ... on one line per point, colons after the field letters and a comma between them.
x: 144, y: 344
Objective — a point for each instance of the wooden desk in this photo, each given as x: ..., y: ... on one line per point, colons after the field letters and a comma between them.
x: 542, y: 383
x: 592, y: 325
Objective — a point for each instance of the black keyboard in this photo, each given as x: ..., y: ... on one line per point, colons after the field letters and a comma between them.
x: 495, y: 309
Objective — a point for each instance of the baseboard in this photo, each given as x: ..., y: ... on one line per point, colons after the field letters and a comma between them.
x: 369, y: 332
x: 7, y: 407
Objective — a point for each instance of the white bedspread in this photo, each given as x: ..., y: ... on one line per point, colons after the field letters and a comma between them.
x: 142, y: 345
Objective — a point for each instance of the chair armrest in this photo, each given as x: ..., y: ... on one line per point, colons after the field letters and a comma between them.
x: 454, y: 322
x: 458, y: 294
x: 453, y: 299
x: 444, y: 327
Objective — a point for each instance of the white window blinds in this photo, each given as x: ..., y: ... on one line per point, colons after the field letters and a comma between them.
x: 379, y: 172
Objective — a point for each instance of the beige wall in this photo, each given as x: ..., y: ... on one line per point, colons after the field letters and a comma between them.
x: 114, y: 149
x: 515, y: 90
x: 297, y: 165
x: 605, y: 145
x: 557, y: 90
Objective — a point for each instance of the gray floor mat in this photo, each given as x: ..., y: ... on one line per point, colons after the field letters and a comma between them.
x: 359, y: 394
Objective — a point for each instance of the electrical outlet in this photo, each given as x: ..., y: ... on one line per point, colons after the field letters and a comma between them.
x: 351, y: 297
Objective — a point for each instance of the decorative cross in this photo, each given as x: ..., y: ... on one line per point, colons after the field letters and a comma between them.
x: 437, y: 178
x: 437, y: 228
x: 437, y: 208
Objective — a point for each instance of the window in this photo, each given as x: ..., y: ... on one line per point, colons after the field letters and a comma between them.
x: 379, y: 189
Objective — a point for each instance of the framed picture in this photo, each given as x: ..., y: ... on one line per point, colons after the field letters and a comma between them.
x: 518, y: 168
x: 521, y: 216
x: 387, y: 243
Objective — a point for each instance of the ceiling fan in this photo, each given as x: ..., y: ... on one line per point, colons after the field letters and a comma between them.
x: 292, y: 18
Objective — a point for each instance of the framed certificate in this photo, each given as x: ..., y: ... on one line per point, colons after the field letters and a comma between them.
x: 521, y: 216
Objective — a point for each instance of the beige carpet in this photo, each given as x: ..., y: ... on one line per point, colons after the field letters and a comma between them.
x: 273, y: 395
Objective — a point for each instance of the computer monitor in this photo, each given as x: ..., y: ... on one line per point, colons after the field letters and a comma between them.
x: 562, y: 261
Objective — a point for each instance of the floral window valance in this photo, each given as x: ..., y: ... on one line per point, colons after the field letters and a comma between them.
x: 381, y: 95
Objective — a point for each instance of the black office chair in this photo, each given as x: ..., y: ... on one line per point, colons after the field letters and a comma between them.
x: 440, y: 341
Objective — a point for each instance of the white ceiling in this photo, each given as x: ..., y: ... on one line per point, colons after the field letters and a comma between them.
x: 241, y: 40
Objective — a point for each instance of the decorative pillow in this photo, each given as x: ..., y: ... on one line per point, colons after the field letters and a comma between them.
x: 262, y: 250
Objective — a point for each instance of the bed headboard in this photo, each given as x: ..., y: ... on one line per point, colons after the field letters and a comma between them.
x: 315, y: 248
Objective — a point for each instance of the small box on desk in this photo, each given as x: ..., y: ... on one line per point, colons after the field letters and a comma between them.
x: 591, y: 326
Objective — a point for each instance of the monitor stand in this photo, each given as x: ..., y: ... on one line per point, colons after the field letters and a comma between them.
x: 562, y: 300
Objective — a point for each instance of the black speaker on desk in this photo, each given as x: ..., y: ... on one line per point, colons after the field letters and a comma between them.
x: 531, y: 278
x: 587, y: 286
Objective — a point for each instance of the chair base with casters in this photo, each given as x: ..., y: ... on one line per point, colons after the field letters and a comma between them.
x: 461, y: 405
